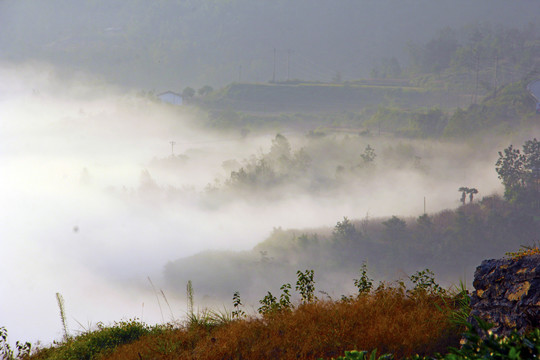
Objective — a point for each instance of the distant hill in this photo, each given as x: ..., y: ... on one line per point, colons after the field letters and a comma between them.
x: 318, y: 96
x: 503, y: 110
x: 172, y: 44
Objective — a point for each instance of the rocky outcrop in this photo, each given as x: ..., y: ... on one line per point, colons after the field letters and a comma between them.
x: 508, y: 294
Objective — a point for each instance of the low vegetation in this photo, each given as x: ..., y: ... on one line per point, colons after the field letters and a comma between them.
x: 419, y: 322
x: 391, y: 318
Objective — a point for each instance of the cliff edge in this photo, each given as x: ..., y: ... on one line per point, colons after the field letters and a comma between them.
x: 507, y: 294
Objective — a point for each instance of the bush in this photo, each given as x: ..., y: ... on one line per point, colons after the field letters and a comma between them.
x: 94, y: 344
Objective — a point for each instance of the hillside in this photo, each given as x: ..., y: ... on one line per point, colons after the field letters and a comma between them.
x: 316, y: 97
x: 177, y: 43
x: 451, y: 243
x: 406, y: 111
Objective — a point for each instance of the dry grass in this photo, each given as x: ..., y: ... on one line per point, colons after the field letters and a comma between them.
x: 524, y: 252
x: 388, y: 319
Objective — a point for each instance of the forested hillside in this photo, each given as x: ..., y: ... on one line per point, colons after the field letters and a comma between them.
x: 177, y: 43
x: 451, y: 242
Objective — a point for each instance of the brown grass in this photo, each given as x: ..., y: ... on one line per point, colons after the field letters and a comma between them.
x: 388, y: 320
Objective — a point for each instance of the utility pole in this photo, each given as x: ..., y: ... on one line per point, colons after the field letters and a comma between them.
x: 172, y: 147
x: 274, y: 72
x: 289, y: 51
x: 496, y: 73
x: 476, y: 77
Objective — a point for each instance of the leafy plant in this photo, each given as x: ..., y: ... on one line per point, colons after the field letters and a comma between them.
x: 520, y: 170
x: 269, y: 304
x: 480, y: 343
x: 285, y: 297
x: 425, y: 281
x: 237, y: 313
x: 306, y: 285
x: 7, y: 353
x: 363, y: 355
x: 364, y: 284
x: 94, y: 344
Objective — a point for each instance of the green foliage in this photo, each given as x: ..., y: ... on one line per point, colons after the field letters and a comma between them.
x: 94, y: 344
x: 429, y: 123
x: 269, y: 304
x: 424, y: 281
x: 481, y: 344
x: 7, y: 353
x: 237, y: 302
x: 306, y: 285
x: 285, y: 297
x: 470, y: 64
x: 520, y: 171
x: 503, y: 109
x: 364, y: 355
x: 364, y: 284
x: 208, y: 319
x: 460, y: 316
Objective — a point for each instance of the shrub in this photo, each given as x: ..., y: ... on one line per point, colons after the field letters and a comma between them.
x: 94, y: 344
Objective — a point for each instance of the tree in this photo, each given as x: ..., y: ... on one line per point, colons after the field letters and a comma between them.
x: 395, y: 229
x: 369, y: 155
x: 520, y: 170
x: 188, y: 93
x: 434, y: 56
x: 472, y: 192
x: 344, y: 230
x: 281, y: 147
x: 464, y: 191
x: 205, y: 90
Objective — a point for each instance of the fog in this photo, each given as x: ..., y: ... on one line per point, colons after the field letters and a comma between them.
x: 102, y: 186
x: 90, y: 211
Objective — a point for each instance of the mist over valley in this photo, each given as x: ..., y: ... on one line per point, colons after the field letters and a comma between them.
x: 111, y: 196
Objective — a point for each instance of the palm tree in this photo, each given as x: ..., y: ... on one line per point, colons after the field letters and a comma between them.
x: 464, y: 191
x: 472, y: 192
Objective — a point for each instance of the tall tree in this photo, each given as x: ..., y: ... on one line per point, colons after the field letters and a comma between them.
x: 464, y: 191
x: 472, y: 192
x: 520, y: 170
